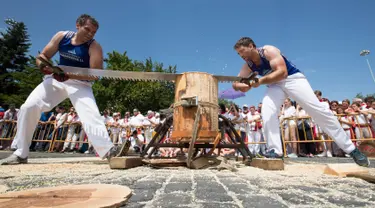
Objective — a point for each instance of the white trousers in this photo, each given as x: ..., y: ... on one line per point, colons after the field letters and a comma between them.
x: 254, y: 136
x: 45, y: 97
x: 298, y: 88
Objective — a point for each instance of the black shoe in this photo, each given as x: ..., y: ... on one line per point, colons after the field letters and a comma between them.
x: 360, y: 158
x: 13, y: 160
x: 272, y: 154
x: 118, y: 151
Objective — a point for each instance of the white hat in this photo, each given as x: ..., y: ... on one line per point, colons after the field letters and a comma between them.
x: 245, y: 106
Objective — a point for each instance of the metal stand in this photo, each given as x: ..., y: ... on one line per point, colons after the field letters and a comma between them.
x: 225, y: 126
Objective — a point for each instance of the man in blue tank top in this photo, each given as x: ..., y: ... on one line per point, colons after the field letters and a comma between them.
x: 77, y: 49
x: 283, y: 80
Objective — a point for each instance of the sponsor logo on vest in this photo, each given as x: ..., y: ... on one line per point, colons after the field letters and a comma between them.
x: 71, y: 57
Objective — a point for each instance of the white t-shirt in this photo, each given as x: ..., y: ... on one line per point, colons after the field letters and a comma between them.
x: 253, y: 124
x: 137, y: 121
x: 289, y: 112
x: 60, y: 119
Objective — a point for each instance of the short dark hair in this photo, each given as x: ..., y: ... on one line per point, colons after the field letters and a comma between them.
x: 244, y: 41
x: 82, y: 19
x: 60, y: 107
x: 318, y: 92
x: 368, y: 99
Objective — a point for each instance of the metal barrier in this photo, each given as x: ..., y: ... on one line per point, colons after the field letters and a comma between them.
x: 297, y: 131
x: 356, y: 127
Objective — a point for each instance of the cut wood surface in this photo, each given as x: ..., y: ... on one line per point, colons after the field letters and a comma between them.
x: 70, y: 196
x: 341, y: 170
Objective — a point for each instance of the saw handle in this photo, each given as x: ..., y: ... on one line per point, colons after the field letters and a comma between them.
x: 250, y: 79
x: 60, y: 75
x: 55, y: 69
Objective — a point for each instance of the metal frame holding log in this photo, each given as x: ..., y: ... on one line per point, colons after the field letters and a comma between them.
x: 196, y: 121
x: 226, y: 128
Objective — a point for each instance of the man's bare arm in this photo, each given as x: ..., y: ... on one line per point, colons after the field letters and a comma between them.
x: 96, y: 56
x: 277, y: 64
x: 245, y: 72
x: 51, y: 48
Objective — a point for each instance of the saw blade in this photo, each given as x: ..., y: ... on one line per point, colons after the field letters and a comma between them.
x: 136, y: 76
x: 120, y: 75
x: 221, y: 78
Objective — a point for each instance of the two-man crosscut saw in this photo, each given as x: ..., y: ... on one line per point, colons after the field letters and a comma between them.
x: 88, y: 73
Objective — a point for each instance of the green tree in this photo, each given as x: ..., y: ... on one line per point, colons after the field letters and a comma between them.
x: 14, y: 44
x: 27, y: 80
x: 226, y: 102
x: 360, y: 95
x: 125, y: 95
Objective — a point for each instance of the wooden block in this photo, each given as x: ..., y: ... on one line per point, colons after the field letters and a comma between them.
x: 125, y: 162
x: 268, y: 163
x: 342, y: 170
x: 173, y: 162
x: 70, y: 196
x: 203, y: 162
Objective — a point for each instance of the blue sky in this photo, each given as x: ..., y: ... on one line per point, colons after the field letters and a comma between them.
x: 323, y: 38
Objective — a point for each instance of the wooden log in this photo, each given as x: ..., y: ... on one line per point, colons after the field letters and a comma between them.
x: 125, y: 162
x: 70, y: 196
x: 205, y: 87
x: 268, y: 163
x: 341, y: 170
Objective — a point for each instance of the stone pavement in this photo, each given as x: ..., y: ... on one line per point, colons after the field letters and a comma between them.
x: 300, y: 185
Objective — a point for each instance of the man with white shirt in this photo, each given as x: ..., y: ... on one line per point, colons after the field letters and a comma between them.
x: 284, y: 79
x: 76, y: 49
x: 114, y: 125
x: 137, y: 119
x: 327, y: 152
x: 149, y: 124
x: 287, y: 114
x: 8, y: 128
x: 253, y: 119
x: 60, y: 126
x: 244, y: 126
x: 71, y: 129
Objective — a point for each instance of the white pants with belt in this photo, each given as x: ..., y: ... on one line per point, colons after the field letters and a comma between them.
x: 45, y: 97
x: 298, y: 88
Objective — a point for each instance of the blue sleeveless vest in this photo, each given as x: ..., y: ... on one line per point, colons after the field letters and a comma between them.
x: 265, y: 67
x: 74, y: 55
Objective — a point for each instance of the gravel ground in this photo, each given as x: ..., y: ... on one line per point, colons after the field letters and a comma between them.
x: 301, y: 184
